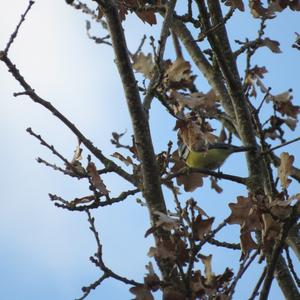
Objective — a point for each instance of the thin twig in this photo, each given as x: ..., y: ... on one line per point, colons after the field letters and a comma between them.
x: 98, y: 259
x: 29, y: 91
x: 224, y: 244
x: 257, y: 286
x: 57, y: 168
x: 87, y: 289
x: 291, y: 266
x: 185, y: 171
x: 198, y: 247
x: 243, y: 268
x: 281, y: 145
x: 155, y: 80
x: 77, y: 203
x: 15, y: 33
x: 50, y: 147
x: 86, y: 10
x: 272, y: 262
x: 202, y: 35
x: 139, y: 47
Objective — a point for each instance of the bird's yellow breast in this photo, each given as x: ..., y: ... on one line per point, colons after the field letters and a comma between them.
x: 211, y: 159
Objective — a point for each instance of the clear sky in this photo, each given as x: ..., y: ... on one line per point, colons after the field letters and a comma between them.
x: 45, y: 251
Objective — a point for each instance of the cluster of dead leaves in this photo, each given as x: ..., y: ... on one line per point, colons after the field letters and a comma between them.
x: 176, y: 77
x: 176, y: 248
x: 208, y: 284
x: 195, y: 134
x: 144, y: 9
x: 207, y: 103
x: 76, y: 167
x: 191, y: 223
x: 176, y: 74
x: 259, y: 214
x: 151, y: 284
x: 282, y: 103
x: 259, y: 11
x: 245, y: 214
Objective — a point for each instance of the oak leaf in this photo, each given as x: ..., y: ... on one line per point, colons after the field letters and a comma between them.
x: 178, y: 75
x: 143, y: 64
x: 272, y: 45
x: 235, y: 4
x: 202, y: 226
x: 141, y: 293
x: 285, y: 169
x: 96, y: 180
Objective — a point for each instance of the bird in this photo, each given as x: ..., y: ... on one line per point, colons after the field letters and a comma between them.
x: 210, y: 157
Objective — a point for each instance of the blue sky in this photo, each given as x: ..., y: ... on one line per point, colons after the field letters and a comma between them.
x: 44, y: 251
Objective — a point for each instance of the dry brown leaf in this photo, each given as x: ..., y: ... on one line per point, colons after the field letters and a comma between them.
x: 166, y: 222
x: 209, y: 275
x: 77, y: 154
x: 207, y: 102
x: 163, y: 250
x: 143, y: 64
x: 202, y: 227
x: 244, y: 213
x: 283, y: 97
x: 117, y: 136
x: 279, y: 5
x: 258, y: 11
x: 152, y: 252
x: 190, y: 181
x: 214, y: 185
x: 178, y: 75
x: 225, y: 278
x: 170, y: 294
x: 147, y: 16
x: 235, y: 4
x: 151, y: 280
x: 272, y: 45
x: 283, y: 104
x: 127, y: 161
x: 291, y: 123
x: 247, y: 243
x: 271, y: 229
x: 280, y: 211
x: 285, y: 169
x: 75, y: 164
x: 136, y: 6
x: 96, y: 179
x: 141, y: 293
x: 193, y: 136
x: 183, y: 255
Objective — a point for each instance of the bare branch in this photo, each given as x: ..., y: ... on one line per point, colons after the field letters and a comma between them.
x: 80, y: 204
x: 156, y: 78
x: 243, y: 268
x: 89, y: 145
x: 97, y: 259
x: 272, y: 261
x: 185, y: 171
x: 15, y: 33
x: 257, y: 286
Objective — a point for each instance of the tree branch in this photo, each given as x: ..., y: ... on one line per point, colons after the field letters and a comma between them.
x: 160, y: 53
x: 151, y: 188
x: 29, y: 91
